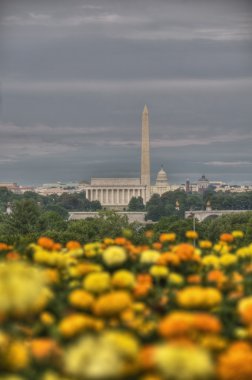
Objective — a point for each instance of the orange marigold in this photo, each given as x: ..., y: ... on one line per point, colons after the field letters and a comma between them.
x: 184, y: 251
x: 227, y: 238
x: 72, y: 244
x: 235, y: 363
x: 167, y: 237
x: 46, y: 243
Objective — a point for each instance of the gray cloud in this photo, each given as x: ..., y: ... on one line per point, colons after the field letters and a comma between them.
x: 75, y: 76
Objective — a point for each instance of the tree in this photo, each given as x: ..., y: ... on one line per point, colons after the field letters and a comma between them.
x: 154, y: 208
x: 136, y: 204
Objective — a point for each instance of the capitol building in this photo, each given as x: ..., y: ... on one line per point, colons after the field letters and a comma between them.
x: 117, y: 192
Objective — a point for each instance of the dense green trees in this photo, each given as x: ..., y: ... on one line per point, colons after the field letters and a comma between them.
x: 33, y: 215
x: 136, y: 204
x: 165, y: 205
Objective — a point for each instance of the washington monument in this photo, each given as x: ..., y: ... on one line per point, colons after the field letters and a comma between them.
x: 145, y: 154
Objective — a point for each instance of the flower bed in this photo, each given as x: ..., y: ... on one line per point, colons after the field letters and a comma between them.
x: 113, y: 310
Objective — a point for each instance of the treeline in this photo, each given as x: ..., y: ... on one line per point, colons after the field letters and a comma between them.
x: 29, y: 220
x: 175, y: 203
x: 61, y: 204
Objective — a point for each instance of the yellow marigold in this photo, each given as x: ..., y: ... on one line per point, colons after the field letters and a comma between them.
x: 123, y: 279
x: 81, y: 269
x: 81, y: 299
x: 228, y: 259
x: 205, y: 244
x: 183, y: 363
x: 74, y: 324
x: 126, y: 344
x: 112, y: 303
x: 22, y: 289
x: 97, y: 282
x: 47, y: 318
x: 114, y: 352
x: 192, y: 234
x: 221, y: 248
x: 92, y: 249
x: 198, y: 297
x: 167, y: 237
x: 244, y: 252
x: 114, y: 256
x: 238, y: 234
x: 108, y: 241
x: 211, y: 261
x: 159, y: 271
x: 15, y: 356
x: 213, y: 342
x: 149, y: 256
x: 52, y: 275
x: 175, y: 278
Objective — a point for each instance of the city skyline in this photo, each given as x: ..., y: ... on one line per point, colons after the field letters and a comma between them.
x: 75, y: 78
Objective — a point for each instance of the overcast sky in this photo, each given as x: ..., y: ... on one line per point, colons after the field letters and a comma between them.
x: 76, y: 74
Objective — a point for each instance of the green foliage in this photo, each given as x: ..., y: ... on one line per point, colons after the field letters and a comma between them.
x: 136, y: 204
x: 165, y: 205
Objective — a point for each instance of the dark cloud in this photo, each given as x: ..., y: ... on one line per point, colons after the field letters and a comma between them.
x: 75, y: 76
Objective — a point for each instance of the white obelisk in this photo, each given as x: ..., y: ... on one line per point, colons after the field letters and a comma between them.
x: 145, y: 149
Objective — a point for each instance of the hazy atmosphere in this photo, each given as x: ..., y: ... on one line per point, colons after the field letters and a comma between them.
x: 75, y: 76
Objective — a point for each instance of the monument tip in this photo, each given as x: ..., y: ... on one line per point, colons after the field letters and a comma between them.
x: 145, y: 110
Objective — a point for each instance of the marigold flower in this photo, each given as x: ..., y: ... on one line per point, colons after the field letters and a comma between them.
x: 149, y: 256
x: 175, y: 278
x: 44, y: 348
x: 46, y: 243
x: 238, y: 234
x: 191, y: 234
x: 157, y: 245
x: 198, y: 297
x: 184, y: 251
x: 168, y: 258
x: 73, y: 324
x: 114, y: 256
x: 167, y: 237
x: 227, y: 238
x: 72, y: 244
x: 205, y: 244
x: 183, y: 363
x: 211, y: 261
x: 123, y: 279
x: 149, y: 234
x: 244, y: 308
x: 228, y: 259
x: 47, y: 318
x: 235, y: 363
x: 159, y: 271
x: 15, y: 357
x: 22, y: 289
x: 81, y: 299
x: 112, y: 303
x: 97, y: 282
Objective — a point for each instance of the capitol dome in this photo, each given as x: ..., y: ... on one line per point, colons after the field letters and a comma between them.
x: 162, y: 179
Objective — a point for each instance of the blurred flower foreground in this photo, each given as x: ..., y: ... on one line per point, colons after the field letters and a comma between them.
x: 115, y: 310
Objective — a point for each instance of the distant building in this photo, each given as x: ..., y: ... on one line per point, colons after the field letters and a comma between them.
x: 203, y: 184
x: 12, y: 186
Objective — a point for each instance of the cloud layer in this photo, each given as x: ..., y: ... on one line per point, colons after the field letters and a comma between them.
x: 75, y: 76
